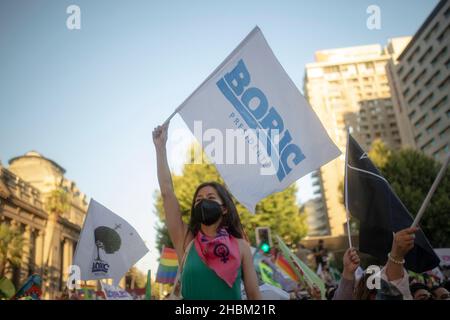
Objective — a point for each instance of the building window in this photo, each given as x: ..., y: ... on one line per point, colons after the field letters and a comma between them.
x: 443, y: 34
x: 406, y: 77
x: 443, y: 149
x: 431, y: 127
x: 432, y: 31
x: 427, y: 145
x: 414, y: 97
x: 419, y: 77
x: 331, y: 69
x: 444, y: 132
x: 420, y: 121
x: 438, y: 56
x: 426, y: 100
x: 413, y: 54
x: 418, y: 137
x: 444, y: 83
x: 439, y: 105
x: 425, y: 55
x: 432, y: 78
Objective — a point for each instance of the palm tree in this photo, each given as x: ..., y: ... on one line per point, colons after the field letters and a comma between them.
x: 11, y: 247
x: 56, y: 204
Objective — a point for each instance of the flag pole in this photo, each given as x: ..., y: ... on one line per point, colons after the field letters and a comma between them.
x: 436, y: 182
x: 346, y: 193
x: 171, y: 116
x: 148, y: 288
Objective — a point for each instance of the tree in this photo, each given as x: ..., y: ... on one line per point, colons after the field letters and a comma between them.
x: 411, y: 174
x: 278, y: 211
x: 108, y: 239
x: 58, y: 201
x: 379, y: 153
x: 135, y: 278
x: 11, y: 247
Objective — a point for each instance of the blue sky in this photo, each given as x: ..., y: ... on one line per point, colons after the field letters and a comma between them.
x: 89, y: 98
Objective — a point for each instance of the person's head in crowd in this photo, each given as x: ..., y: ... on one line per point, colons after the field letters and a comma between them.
x: 330, y: 292
x: 428, y: 280
x: 388, y: 292
x: 362, y: 292
x: 420, y: 291
x: 440, y: 293
x: 320, y: 242
x: 212, y: 204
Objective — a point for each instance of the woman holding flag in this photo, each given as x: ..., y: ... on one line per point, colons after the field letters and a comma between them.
x: 213, y: 256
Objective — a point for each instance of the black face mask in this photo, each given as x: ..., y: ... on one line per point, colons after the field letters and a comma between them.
x: 207, y: 212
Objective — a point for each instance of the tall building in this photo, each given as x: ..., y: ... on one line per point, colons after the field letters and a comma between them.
x: 50, y: 239
x: 348, y: 89
x: 420, y: 83
x: 316, y: 218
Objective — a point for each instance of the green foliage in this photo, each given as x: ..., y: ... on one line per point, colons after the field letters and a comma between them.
x: 140, y: 278
x: 11, y: 247
x: 411, y: 174
x: 58, y: 202
x: 278, y: 211
x: 379, y: 153
x: 7, y: 289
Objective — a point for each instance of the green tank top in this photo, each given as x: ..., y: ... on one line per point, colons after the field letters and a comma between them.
x: 199, y: 282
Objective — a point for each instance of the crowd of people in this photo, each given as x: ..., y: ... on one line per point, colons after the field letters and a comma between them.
x: 389, y: 282
x: 216, y: 262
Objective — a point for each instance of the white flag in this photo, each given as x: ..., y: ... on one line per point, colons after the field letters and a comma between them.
x: 250, y: 92
x: 108, y: 247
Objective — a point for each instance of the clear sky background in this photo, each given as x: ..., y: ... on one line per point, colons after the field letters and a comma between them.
x: 90, y: 98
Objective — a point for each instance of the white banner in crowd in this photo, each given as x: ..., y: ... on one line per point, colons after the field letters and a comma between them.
x: 108, y: 247
x: 115, y: 293
x: 444, y: 255
x: 251, y: 90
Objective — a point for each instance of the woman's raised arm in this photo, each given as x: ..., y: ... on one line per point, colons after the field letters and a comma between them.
x: 177, y: 228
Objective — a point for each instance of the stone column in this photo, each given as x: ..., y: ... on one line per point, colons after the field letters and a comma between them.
x: 66, y: 259
x: 26, y: 253
x: 40, y: 250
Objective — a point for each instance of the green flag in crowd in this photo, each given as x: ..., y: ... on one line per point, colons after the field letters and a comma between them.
x: 311, y: 278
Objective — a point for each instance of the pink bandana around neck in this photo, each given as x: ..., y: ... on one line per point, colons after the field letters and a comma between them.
x: 221, y: 254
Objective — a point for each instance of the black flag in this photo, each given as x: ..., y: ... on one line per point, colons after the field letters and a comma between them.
x: 371, y: 200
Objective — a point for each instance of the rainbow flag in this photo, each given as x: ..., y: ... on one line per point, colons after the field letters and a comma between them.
x: 168, y: 266
x: 282, y: 263
x: 302, y: 270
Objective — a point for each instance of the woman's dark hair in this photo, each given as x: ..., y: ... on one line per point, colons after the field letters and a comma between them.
x: 362, y: 292
x: 418, y: 286
x: 230, y: 220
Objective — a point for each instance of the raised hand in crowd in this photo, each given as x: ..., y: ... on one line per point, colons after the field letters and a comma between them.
x: 403, y: 243
x: 351, y: 262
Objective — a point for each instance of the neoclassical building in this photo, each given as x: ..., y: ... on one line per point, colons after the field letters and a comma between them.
x: 50, y: 239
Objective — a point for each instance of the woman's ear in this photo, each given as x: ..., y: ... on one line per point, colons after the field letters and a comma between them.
x: 224, y: 210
